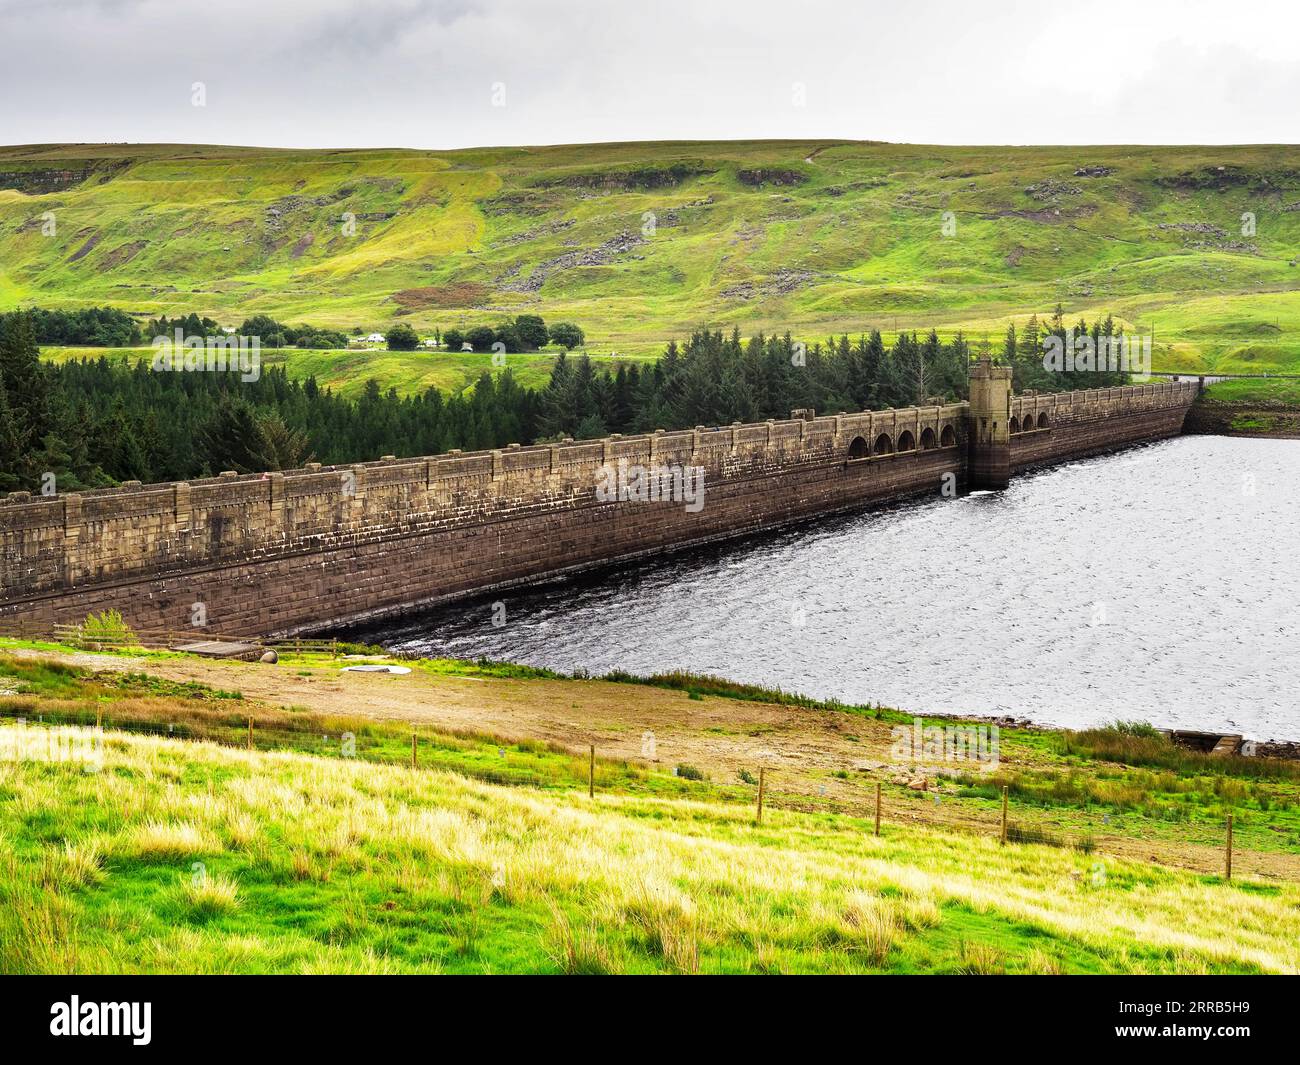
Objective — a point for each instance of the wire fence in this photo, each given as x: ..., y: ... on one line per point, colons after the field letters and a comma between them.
x: 1014, y: 815
x: 498, y: 762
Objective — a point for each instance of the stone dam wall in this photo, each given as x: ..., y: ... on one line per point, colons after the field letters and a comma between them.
x: 314, y: 548
x: 1056, y: 426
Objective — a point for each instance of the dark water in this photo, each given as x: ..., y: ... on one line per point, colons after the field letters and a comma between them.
x: 1162, y: 583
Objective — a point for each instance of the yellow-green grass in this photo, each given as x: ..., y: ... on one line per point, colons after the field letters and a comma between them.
x: 1256, y: 390
x: 856, y: 242
x: 202, y: 858
x: 181, y: 857
x: 347, y: 371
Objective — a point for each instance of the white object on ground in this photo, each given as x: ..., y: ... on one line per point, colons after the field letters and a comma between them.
x: 376, y: 669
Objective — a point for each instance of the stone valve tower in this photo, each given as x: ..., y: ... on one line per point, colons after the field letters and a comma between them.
x: 990, y: 425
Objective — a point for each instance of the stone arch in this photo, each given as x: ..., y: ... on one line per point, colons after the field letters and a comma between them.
x: 883, y: 445
x: 906, y: 441
x: 927, y: 439
x: 948, y: 438
x: 1015, y: 425
x: 858, y: 449
x: 1042, y: 419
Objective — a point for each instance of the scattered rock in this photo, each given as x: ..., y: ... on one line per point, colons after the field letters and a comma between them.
x: 1194, y: 227
x: 1232, y: 176
x: 598, y: 256
x: 270, y: 658
x: 1224, y: 245
x: 1094, y: 171
x: 646, y: 177
x: 538, y: 231
x: 1049, y: 190
x: 1278, y: 749
x: 781, y: 283
x: 1048, y: 214
x: 760, y: 176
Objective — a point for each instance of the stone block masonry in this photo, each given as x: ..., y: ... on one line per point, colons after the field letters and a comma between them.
x: 318, y: 547
x: 1054, y: 427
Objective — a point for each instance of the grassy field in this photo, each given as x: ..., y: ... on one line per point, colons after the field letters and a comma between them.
x: 1255, y: 390
x: 641, y: 242
x: 195, y: 858
x: 195, y: 855
x: 346, y: 372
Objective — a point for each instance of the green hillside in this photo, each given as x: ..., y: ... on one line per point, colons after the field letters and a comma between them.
x: 817, y: 237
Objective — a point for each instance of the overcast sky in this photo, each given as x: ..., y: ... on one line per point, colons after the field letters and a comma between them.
x: 456, y: 73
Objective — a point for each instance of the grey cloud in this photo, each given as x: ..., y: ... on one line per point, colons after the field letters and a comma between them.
x: 420, y: 73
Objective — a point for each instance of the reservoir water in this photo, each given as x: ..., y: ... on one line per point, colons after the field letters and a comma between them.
x: 1161, y: 584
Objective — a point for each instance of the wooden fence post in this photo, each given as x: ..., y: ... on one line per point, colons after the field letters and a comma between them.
x: 762, y: 782
x: 1004, y: 815
x: 415, y: 759
x: 877, y: 809
x: 1228, y: 869
x: 250, y: 733
x: 591, y: 774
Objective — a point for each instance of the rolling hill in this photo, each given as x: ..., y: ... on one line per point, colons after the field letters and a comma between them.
x: 642, y: 242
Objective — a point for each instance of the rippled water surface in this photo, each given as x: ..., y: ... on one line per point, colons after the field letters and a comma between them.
x: 1160, y: 583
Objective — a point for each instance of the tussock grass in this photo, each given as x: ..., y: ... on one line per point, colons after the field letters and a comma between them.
x: 38, y: 937
x: 74, y: 865
x: 209, y: 896
x: 874, y: 926
x: 980, y: 959
x: 165, y: 839
x: 577, y: 948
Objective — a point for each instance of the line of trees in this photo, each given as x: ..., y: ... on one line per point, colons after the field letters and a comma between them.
x: 108, y: 327
x: 715, y: 379
x: 101, y: 327
x: 94, y: 422
x: 270, y: 333
x: 528, y: 332
x: 275, y: 334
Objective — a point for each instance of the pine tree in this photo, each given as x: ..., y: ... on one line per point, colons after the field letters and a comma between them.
x: 11, y: 454
x: 23, y: 377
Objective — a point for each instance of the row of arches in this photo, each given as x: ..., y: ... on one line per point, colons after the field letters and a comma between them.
x: 885, y: 445
x: 1017, y: 426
